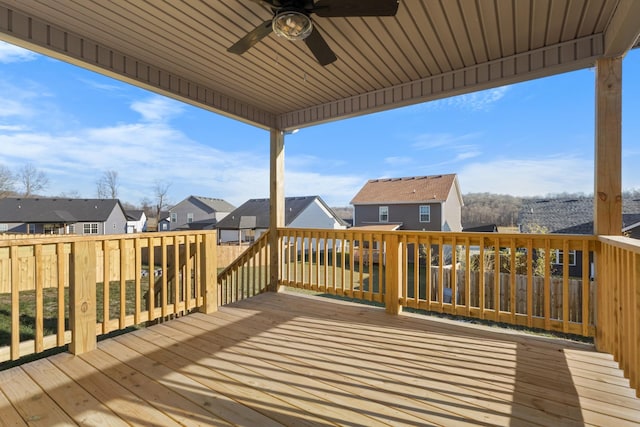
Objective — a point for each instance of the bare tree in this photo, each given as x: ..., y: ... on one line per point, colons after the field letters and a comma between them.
x: 7, y: 181
x: 32, y: 180
x: 73, y: 194
x: 147, y: 206
x: 160, y: 191
x: 108, y: 185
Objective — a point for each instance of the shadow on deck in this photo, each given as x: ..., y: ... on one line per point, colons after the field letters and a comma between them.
x: 289, y: 359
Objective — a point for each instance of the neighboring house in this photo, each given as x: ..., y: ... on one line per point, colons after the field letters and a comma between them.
x: 159, y: 224
x: 427, y: 203
x: 62, y: 216
x: 198, y: 213
x: 572, y: 216
x: 136, y: 221
x: 251, y: 219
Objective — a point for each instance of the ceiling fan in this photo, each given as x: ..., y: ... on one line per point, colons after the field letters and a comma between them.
x: 292, y: 20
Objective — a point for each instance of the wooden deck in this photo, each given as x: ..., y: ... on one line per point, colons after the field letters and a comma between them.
x: 289, y: 359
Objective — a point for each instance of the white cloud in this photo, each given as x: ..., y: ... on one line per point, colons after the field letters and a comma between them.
x: 529, y: 177
x: 398, y: 161
x: 427, y: 141
x: 476, y: 101
x: 10, y: 53
x: 101, y: 86
x: 157, y: 108
x: 12, y: 128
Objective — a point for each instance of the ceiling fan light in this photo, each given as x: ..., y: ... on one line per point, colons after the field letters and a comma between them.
x: 292, y: 25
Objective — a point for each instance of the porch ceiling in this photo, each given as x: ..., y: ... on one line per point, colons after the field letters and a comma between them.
x: 431, y: 49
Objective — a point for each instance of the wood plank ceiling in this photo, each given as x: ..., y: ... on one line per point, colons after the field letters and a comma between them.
x: 429, y: 50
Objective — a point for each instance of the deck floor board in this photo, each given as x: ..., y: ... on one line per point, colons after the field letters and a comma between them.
x: 296, y: 360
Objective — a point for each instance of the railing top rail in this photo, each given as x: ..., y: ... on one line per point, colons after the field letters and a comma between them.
x: 447, y: 234
x: 622, y: 242
x: 69, y: 238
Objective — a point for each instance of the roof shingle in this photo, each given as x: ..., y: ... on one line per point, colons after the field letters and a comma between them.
x: 414, y: 189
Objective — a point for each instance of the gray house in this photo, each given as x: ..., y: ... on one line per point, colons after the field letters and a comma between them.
x: 251, y: 219
x: 198, y: 213
x: 427, y: 203
x: 571, y: 216
x: 62, y: 216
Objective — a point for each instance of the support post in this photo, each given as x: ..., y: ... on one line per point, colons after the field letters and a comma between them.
x: 607, y: 213
x: 209, y: 273
x: 82, y: 297
x: 276, y: 206
x: 393, y: 273
x: 607, y: 208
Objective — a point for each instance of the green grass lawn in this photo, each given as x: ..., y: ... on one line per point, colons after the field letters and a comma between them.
x: 27, y: 307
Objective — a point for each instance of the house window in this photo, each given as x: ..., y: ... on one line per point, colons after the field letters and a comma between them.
x: 71, y: 229
x: 90, y: 228
x: 557, y: 257
x: 4, y: 228
x: 383, y: 214
x: 425, y: 213
x: 50, y: 229
x: 174, y: 217
x: 189, y: 218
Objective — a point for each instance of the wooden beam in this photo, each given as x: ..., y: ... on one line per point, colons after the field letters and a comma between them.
x: 276, y: 206
x: 623, y: 30
x: 608, y: 148
x: 607, y: 206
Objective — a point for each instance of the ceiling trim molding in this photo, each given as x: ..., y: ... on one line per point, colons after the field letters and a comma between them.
x: 561, y: 57
x: 40, y: 36
x: 621, y: 33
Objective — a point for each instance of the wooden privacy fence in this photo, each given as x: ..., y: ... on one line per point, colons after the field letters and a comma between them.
x: 618, y: 330
x: 69, y: 289
x: 508, y: 278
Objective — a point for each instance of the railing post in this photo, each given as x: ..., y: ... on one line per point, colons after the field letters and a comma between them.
x: 82, y: 297
x: 393, y: 273
x: 276, y: 205
x: 209, y: 276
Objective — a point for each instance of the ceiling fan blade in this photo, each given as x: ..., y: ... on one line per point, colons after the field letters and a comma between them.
x: 320, y: 48
x: 274, y: 3
x: 347, y: 8
x: 252, y: 37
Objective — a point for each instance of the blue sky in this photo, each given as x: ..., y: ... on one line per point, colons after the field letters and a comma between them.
x: 529, y: 139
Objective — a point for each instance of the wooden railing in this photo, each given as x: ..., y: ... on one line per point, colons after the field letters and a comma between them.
x: 248, y: 275
x: 618, y: 329
x: 61, y: 290
x: 454, y: 273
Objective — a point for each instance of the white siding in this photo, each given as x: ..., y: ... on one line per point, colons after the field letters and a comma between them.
x: 315, y: 216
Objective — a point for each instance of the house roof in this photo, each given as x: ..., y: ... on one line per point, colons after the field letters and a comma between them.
x: 55, y: 210
x: 486, y: 228
x: 429, y: 50
x: 413, y: 189
x: 569, y: 215
x: 209, y: 204
x: 218, y: 205
x: 254, y: 213
x: 134, y: 214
